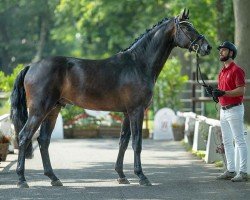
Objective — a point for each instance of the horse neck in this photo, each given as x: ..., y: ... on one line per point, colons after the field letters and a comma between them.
x: 155, y: 49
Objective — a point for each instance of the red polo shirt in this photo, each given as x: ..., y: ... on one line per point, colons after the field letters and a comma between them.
x: 230, y: 78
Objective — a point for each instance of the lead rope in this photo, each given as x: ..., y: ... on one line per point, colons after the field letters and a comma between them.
x: 198, y: 71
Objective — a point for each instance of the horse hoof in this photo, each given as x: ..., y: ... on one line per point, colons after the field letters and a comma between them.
x: 145, y: 182
x: 56, y: 183
x: 123, y: 181
x: 23, y: 184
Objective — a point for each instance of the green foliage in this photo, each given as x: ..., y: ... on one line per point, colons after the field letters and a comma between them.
x: 70, y: 111
x: 210, y: 110
x: 101, y: 28
x: 200, y: 154
x: 169, y: 85
x: 7, y: 81
x: 4, y: 107
x: 219, y: 163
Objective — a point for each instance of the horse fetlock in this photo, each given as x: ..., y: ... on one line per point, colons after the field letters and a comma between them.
x: 138, y: 171
x: 50, y: 174
x: 118, y: 168
x: 22, y: 184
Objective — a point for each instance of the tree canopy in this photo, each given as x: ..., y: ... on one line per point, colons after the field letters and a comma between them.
x: 33, y: 29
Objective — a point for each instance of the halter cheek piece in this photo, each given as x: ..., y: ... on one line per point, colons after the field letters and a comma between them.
x: 193, y: 44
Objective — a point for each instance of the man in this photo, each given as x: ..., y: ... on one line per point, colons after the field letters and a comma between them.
x: 231, y: 88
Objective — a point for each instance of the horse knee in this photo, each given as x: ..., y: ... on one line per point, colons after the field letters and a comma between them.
x: 137, y: 148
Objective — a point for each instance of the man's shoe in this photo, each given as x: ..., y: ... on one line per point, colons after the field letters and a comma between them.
x: 240, y: 177
x: 226, y: 176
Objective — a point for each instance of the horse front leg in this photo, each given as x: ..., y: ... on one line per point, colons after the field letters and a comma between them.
x: 123, y: 144
x: 136, y: 121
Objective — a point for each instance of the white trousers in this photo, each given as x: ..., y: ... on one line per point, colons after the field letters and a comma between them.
x: 232, y: 127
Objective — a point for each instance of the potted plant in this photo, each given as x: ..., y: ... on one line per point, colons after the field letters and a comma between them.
x: 4, y: 146
x: 178, y: 127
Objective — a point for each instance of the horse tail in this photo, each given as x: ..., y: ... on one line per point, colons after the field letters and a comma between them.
x: 18, y: 112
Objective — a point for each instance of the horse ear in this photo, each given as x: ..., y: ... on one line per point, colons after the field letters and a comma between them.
x: 183, y: 16
x: 187, y: 17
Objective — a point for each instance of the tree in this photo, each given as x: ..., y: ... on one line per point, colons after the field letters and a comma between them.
x: 169, y: 86
x: 24, y: 31
x: 242, y: 40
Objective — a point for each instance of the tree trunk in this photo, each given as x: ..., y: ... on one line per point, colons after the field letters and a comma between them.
x: 225, y: 19
x: 5, y: 58
x: 242, y: 41
x: 42, y: 39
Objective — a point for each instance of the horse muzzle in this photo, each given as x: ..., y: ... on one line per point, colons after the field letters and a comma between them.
x: 205, y: 49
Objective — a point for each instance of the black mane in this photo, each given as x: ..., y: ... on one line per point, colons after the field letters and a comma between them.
x: 145, y: 33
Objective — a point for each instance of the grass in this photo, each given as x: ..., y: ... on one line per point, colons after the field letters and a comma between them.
x: 200, y: 154
x: 4, y: 107
x: 186, y: 146
x: 219, y: 163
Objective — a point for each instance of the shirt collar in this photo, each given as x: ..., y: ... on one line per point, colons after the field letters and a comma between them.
x: 229, y: 67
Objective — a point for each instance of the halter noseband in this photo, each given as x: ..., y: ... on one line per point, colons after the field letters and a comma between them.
x: 193, y: 44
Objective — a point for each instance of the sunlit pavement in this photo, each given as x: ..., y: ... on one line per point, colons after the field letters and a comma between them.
x: 86, y: 169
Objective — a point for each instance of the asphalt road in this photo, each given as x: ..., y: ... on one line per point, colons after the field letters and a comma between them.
x: 86, y: 169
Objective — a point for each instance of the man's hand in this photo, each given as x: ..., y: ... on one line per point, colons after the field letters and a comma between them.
x: 209, y: 90
x: 218, y: 93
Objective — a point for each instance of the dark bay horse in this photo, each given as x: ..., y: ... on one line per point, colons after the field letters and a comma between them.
x: 122, y: 83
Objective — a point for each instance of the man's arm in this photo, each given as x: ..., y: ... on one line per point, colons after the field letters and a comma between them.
x: 239, y: 91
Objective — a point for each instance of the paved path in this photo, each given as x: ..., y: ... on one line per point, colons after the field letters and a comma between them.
x: 86, y: 168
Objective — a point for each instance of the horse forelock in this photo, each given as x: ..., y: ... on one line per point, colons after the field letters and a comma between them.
x: 146, y: 33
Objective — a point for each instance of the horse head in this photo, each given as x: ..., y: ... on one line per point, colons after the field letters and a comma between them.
x: 186, y: 36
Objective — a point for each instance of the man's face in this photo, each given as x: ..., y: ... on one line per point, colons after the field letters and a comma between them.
x: 224, y: 53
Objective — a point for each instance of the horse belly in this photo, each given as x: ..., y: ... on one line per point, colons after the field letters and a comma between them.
x: 97, y: 101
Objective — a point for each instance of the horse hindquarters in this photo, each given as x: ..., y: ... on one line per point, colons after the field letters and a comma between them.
x: 42, y: 97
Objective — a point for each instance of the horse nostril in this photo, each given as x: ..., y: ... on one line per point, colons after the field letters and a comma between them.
x: 209, y: 47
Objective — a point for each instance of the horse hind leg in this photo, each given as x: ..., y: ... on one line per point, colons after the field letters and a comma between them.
x: 123, y: 144
x: 29, y: 151
x: 25, y: 137
x: 44, y: 140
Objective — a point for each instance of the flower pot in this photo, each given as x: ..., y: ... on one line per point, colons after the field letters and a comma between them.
x: 178, y: 132
x: 3, y: 151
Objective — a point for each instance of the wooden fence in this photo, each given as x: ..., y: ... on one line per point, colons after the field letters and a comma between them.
x: 195, y: 97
